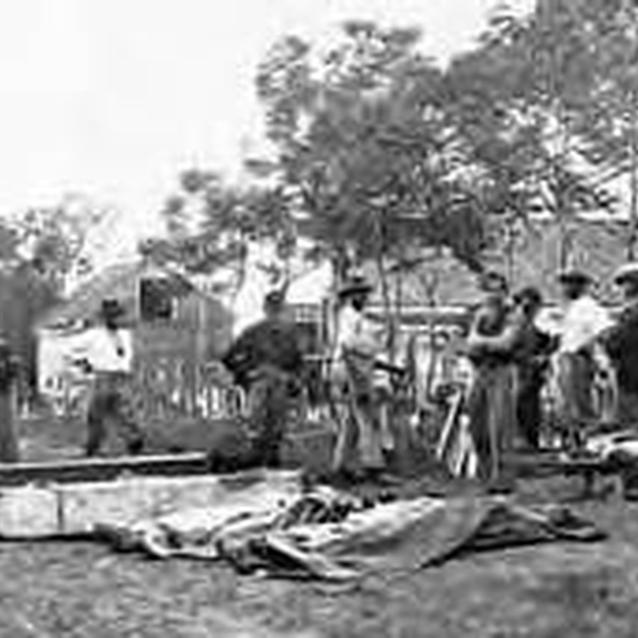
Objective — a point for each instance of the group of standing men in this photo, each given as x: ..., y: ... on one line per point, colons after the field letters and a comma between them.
x: 512, y: 358
x: 267, y: 362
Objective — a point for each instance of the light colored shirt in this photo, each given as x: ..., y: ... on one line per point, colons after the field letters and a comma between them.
x: 583, y: 321
x: 355, y: 331
x: 106, y: 350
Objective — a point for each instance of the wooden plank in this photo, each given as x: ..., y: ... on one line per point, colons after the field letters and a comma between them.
x: 97, y: 469
x: 74, y: 509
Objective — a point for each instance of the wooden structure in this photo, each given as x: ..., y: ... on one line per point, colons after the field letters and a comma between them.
x: 177, y: 330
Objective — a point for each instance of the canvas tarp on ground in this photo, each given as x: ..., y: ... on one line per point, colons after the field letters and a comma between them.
x: 331, y: 536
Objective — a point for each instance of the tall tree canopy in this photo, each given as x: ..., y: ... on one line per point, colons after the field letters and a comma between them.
x: 39, y: 249
x: 543, y: 101
x: 210, y: 224
x: 364, y: 140
x: 377, y: 148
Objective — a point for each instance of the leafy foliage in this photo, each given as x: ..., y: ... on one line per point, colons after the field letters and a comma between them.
x: 545, y: 103
x: 365, y: 142
x: 378, y: 149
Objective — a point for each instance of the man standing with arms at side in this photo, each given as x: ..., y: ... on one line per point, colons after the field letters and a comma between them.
x: 357, y: 355
x: 532, y: 363
x: 106, y: 352
x: 583, y: 322
x: 621, y: 343
x: 267, y: 362
x: 9, y: 452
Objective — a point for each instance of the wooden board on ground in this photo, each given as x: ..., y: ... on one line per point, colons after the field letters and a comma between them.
x: 72, y: 509
x: 100, y: 469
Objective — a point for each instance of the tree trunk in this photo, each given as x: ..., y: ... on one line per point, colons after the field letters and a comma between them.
x: 241, y: 270
x: 431, y: 299
x: 398, y: 301
x: 387, y: 305
x: 8, y: 439
x: 633, y: 211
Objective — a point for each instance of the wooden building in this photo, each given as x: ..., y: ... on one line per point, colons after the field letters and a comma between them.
x: 176, y: 328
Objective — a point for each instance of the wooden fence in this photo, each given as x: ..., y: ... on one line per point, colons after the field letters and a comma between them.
x: 168, y: 385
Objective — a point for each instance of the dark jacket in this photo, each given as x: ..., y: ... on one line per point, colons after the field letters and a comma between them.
x: 270, y: 342
x: 621, y: 343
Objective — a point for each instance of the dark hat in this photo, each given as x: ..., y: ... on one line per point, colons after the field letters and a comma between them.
x: 529, y: 293
x: 111, y: 308
x: 627, y: 272
x: 355, y: 285
x: 275, y: 298
x: 493, y: 281
x: 575, y: 275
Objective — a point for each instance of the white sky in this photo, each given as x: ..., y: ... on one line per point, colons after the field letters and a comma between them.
x: 112, y: 98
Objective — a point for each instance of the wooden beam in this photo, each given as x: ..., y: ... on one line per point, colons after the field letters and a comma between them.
x: 99, y: 469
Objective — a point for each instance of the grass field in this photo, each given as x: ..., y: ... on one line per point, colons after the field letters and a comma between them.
x: 561, y: 590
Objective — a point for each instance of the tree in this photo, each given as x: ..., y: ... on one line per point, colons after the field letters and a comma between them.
x: 53, y: 239
x: 39, y: 249
x: 210, y: 225
x: 363, y: 139
x: 540, y: 101
x: 365, y: 142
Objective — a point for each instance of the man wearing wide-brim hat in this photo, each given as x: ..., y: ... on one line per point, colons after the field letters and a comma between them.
x: 357, y: 347
x: 621, y: 343
x: 584, y: 320
x: 106, y: 352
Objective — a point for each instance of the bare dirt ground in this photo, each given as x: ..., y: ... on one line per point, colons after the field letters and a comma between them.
x: 81, y: 589
x: 48, y: 438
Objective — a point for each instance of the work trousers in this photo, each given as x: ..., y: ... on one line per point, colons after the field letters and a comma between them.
x: 360, y: 432
x: 528, y: 405
x: 575, y: 406
x: 111, y: 403
x: 271, y: 397
x: 8, y: 439
x: 491, y: 407
x: 627, y: 409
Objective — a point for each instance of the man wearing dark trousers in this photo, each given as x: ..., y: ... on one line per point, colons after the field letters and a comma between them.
x: 8, y: 373
x: 267, y: 362
x: 621, y: 344
x: 532, y: 362
x: 106, y: 352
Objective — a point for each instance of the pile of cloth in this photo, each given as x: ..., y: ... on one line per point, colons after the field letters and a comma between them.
x: 620, y: 447
x: 330, y: 535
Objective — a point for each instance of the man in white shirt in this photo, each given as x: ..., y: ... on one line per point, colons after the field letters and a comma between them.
x: 106, y: 352
x: 584, y: 320
x: 355, y: 384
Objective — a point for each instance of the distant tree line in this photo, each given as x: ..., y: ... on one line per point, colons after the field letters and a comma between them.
x: 40, y: 248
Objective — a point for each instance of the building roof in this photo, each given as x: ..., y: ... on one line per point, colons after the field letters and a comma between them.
x: 453, y: 283
x: 117, y: 281
x: 598, y: 246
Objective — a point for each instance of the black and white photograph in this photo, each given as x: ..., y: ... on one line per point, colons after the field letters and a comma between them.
x: 319, y: 319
